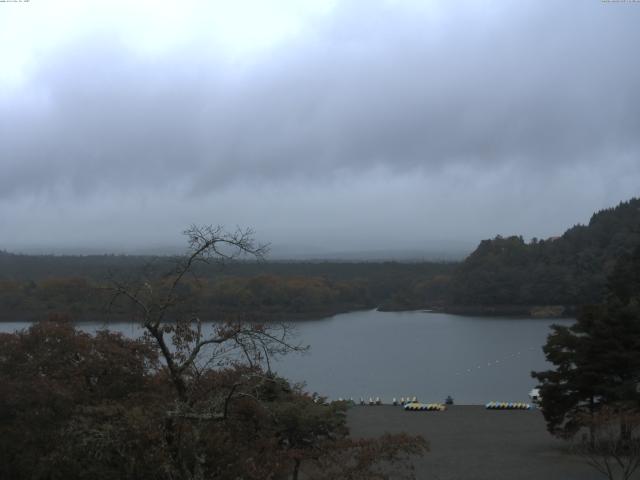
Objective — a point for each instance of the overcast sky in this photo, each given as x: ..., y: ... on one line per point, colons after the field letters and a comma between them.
x: 324, y: 125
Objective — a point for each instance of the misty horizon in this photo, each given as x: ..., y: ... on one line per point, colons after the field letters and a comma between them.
x: 448, y: 250
x: 295, y: 253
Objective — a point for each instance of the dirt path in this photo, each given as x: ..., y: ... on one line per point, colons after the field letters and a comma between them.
x: 471, y: 443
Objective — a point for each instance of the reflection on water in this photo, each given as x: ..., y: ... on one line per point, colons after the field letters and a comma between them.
x: 399, y: 354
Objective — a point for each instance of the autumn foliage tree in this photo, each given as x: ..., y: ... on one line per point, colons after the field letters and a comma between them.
x: 97, y: 407
x: 50, y: 376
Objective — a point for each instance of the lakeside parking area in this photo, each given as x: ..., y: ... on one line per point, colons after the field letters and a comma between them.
x: 472, y: 443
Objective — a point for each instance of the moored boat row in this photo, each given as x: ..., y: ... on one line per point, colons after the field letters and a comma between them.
x: 508, y: 406
x: 413, y: 404
x: 431, y: 407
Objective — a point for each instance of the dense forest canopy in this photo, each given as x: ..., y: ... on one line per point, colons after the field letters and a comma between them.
x: 568, y: 270
x: 503, y: 275
x: 35, y: 285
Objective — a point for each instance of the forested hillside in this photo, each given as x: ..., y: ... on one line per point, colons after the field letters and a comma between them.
x: 569, y: 270
x: 35, y: 286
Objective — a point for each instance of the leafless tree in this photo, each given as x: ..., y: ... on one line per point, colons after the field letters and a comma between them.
x: 185, y: 341
x: 613, y: 448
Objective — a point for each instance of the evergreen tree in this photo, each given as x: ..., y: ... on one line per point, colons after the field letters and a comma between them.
x: 597, y: 360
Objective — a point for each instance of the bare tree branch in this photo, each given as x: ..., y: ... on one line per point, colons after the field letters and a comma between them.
x: 153, y: 299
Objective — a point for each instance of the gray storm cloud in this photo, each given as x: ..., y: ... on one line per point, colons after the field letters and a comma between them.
x: 464, y: 124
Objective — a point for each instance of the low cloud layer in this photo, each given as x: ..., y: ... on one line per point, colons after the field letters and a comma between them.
x: 375, y: 125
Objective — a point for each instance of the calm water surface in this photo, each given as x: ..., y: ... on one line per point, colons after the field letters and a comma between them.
x: 395, y: 354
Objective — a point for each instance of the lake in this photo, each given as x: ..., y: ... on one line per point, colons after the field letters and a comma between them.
x: 398, y: 354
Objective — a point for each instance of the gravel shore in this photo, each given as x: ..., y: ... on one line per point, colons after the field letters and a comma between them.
x: 472, y: 443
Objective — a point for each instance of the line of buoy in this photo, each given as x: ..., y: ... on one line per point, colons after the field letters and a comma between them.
x: 494, y: 363
x: 395, y: 402
x: 378, y: 401
x: 508, y: 406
